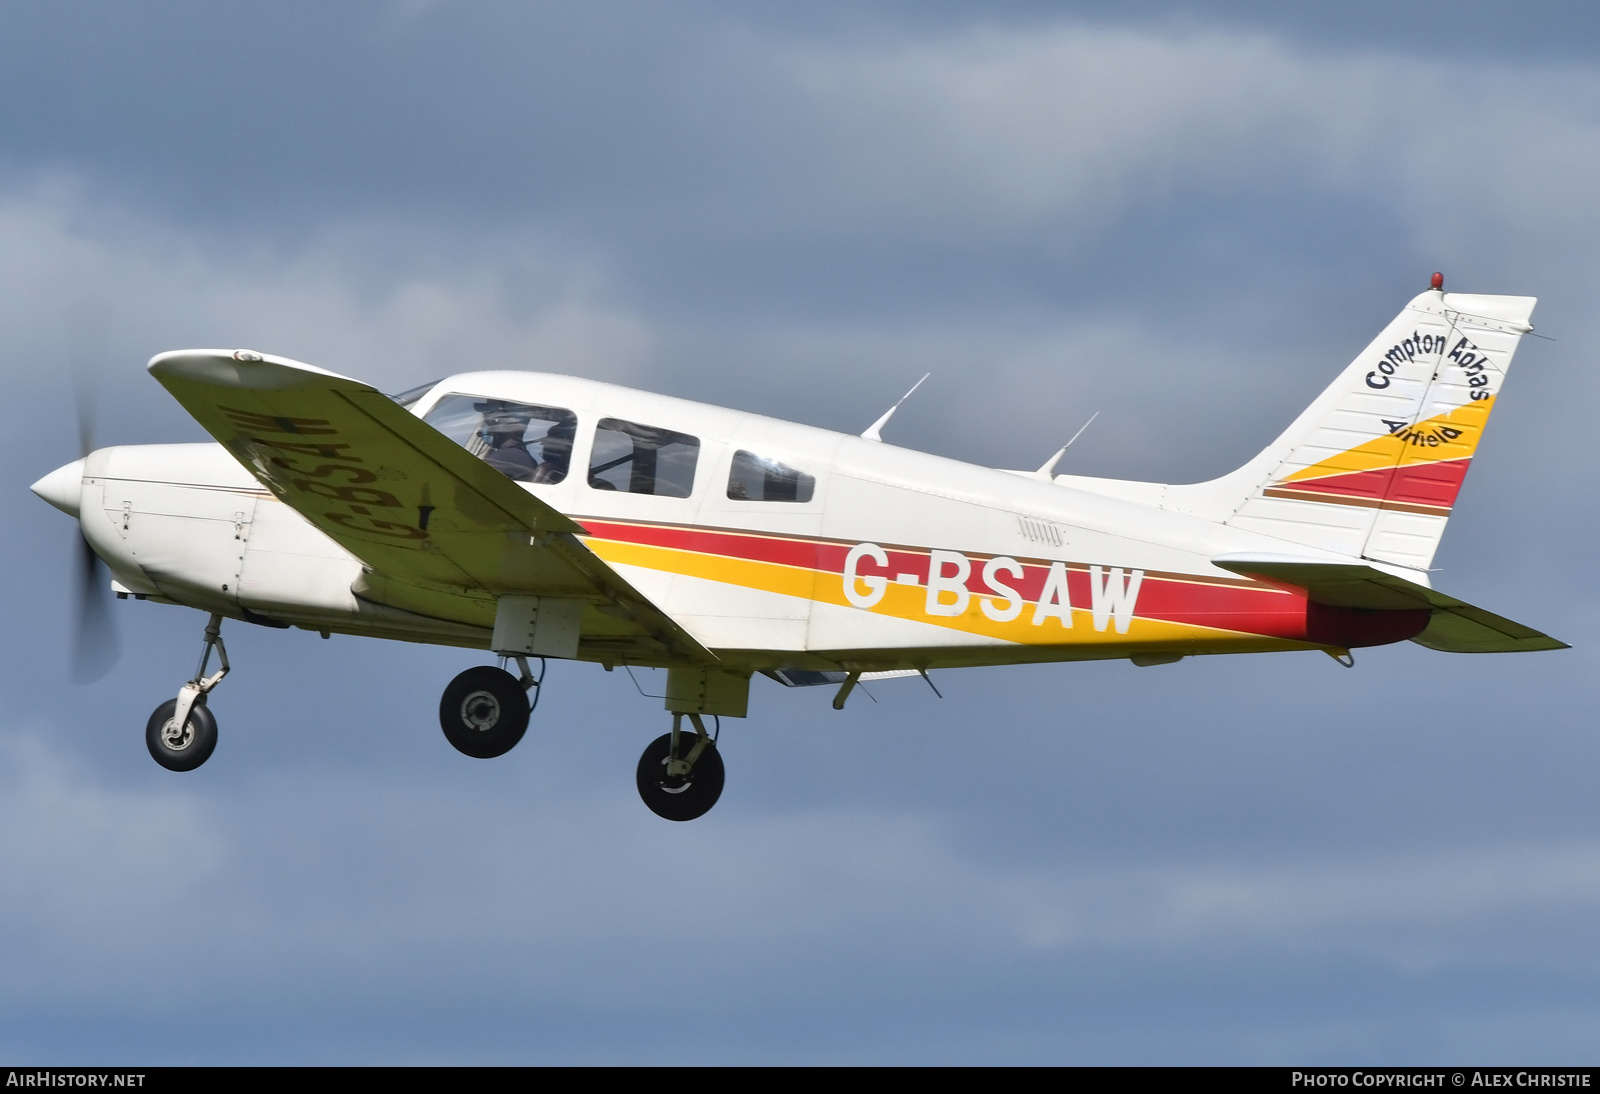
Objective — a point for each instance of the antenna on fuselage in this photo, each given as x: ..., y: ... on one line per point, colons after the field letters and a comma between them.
x: 1047, y: 472
x: 872, y: 431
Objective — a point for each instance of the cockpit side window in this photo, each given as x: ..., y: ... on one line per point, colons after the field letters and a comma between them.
x: 642, y: 459
x: 756, y: 478
x: 522, y: 441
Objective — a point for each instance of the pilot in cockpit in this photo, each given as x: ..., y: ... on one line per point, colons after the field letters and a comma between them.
x: 504, y: 428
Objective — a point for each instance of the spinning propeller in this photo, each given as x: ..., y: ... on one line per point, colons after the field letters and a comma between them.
x: 94, y: 639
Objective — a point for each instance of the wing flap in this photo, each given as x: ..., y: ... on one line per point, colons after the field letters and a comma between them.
x: 443, y: 529
x: 1456, y: 626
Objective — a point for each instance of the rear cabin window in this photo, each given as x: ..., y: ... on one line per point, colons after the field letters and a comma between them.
x: 642, y: 459
x: 522, y: 441
x: 756, y: 478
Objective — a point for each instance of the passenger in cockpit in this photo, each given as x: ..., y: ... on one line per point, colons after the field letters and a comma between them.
x: 503, y: 430
x: 557, y: 451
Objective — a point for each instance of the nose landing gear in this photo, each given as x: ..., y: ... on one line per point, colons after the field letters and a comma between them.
x: 680, y: 777
x: 484, y: 712
x: 181, y: 734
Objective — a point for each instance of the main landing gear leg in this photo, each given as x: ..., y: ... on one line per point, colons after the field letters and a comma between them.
x: 181, y: 734
x: 680, y: 777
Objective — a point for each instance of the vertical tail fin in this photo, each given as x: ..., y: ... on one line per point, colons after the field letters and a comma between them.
x: 1372, y: 467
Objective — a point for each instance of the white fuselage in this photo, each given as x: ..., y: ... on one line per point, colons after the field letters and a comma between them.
x: 187, y: 523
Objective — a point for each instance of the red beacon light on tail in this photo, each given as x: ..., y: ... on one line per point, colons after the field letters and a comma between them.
x: 1437, y: 281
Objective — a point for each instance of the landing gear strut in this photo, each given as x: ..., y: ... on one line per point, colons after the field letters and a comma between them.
x: 484, y: 712
x: 680, y: 777
x: 182, y: 733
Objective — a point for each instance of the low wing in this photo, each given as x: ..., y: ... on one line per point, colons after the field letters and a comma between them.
x: 442, y: 532
x: 1456, y: 626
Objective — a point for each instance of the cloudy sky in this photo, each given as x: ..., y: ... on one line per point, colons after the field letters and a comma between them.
x: 1187, y: 218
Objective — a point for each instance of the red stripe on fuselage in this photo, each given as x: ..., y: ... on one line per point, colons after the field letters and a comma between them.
x: 1220, y: 604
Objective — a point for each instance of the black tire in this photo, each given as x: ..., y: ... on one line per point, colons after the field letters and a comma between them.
x: 484, y: 712
x: 180, y: 751
x: 679, y: 799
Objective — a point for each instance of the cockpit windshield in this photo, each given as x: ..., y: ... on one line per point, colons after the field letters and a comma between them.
x: 411, y: 396
x: 522, y: 441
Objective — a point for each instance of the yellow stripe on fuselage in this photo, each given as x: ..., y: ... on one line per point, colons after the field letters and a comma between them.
x: 909, y: 602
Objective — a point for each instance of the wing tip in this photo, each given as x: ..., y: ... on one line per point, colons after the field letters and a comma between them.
x: 241, y: 368
x: 1537, y: 643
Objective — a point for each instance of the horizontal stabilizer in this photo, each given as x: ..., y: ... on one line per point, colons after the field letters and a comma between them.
x: 1456, y: 627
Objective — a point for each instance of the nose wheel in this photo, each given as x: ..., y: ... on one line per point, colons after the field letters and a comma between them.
x: 484, y: 712
x: 181, y: 734
x: 185, y: 748
x: 680, y: 775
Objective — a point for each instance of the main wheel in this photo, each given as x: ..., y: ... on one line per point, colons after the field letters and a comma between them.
x: 484, y: 712
x: 679, y: 799
x: 180, y: 749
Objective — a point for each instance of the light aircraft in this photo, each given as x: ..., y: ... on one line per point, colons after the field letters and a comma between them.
x: 540, y: 516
